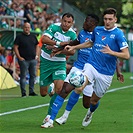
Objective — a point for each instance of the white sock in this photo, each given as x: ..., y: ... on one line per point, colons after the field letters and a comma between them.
x: 66, y: 113
x: 89, y: 112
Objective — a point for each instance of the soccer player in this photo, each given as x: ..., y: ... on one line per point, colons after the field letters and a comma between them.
x: 109, y: 43
x: 90, y: 23
x: 53, y: 69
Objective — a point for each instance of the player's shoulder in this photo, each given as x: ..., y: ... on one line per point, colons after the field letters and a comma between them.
x: 99, y: 28
x: 81, y: 32
x: 55, y: 25
x: 72, y: 30
x: 117, y: 31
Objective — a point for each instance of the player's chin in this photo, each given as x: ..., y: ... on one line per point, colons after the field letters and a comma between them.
x: 108, y: 27
x: 65, y: 28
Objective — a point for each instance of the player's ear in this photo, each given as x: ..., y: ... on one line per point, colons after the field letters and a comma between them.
x: 115, y: 20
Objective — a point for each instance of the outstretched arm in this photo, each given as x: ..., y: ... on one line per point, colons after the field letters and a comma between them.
x: 80, y: 46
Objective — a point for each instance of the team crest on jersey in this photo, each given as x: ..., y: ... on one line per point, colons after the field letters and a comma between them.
x: 112, y: 36
x: 103, y: 38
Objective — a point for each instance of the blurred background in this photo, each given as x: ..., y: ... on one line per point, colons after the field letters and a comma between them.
x: 45, y: 12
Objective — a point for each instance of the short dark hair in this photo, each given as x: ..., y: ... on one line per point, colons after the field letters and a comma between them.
x: 94, y: 16
x: 110, y: 11
x: 68, y: 15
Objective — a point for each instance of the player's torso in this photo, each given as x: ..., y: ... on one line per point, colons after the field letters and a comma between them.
x: 104, y: 63
x: 83, y: 54
x: 56, y: 33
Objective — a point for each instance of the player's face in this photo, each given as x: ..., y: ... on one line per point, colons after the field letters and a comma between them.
x: 109, y: 21
x: 26, y: 28
x: 88, y: 24
x: 66, y: 23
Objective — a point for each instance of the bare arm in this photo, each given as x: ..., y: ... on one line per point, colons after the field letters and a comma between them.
x: 38, y: 53
x: 17, y: 53
x: 62, y: 49
x: 124, y: 54
x: 80, y: 46
x: 48, y: 41
x: 120, y: 76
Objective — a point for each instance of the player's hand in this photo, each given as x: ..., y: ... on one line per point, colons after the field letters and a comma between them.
x: 49, y: 47
x: 37, y: 58
x: 70, y: 48
x: 120, y: 77
x: 54, y: 53
x: 106, y: 49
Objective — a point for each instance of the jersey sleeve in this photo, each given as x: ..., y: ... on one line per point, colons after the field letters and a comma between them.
x: 121, y: 40
x: 50, y: 31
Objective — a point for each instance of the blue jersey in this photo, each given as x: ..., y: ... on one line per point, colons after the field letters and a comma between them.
x: 83, y: 54
x: 105, y: 63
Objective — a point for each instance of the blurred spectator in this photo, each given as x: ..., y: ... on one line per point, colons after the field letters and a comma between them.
x: 4, y: 62
x: 13, y: 11
x: 4, y: 24
x: 18, y: 24
x: 59, y: 12
x: 20, y: 11
x: 9, y: 56
x: 37, y: 29
x: 2, y: 10
x: 28, y: 14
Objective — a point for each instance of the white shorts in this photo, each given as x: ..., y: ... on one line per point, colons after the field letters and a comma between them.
x: 101, y: 82
x: 88, y: 90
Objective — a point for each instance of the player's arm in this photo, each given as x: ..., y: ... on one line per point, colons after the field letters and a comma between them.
x: 38, y: 49
x: 47, y: 40
x: 124, y: 54
x: 79, y: 46
x: 38, y: 52
x: 62, y: 50
x: 120, y: 76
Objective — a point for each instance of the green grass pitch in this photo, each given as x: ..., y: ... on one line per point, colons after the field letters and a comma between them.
x: 25, y: 115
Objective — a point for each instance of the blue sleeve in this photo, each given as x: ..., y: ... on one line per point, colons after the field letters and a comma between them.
x: 121, y: 40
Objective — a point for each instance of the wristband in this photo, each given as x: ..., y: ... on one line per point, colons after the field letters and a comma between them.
x: 58, y: 44
x: 36, y: 56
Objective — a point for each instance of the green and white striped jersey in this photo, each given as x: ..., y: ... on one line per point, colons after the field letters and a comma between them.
x: 55, y: 32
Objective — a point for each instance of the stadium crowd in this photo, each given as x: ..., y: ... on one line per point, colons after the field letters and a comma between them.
x: 34, y: 12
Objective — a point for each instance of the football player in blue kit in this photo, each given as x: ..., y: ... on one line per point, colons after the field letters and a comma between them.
x: 90, y: 23
x: 109, y: 44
